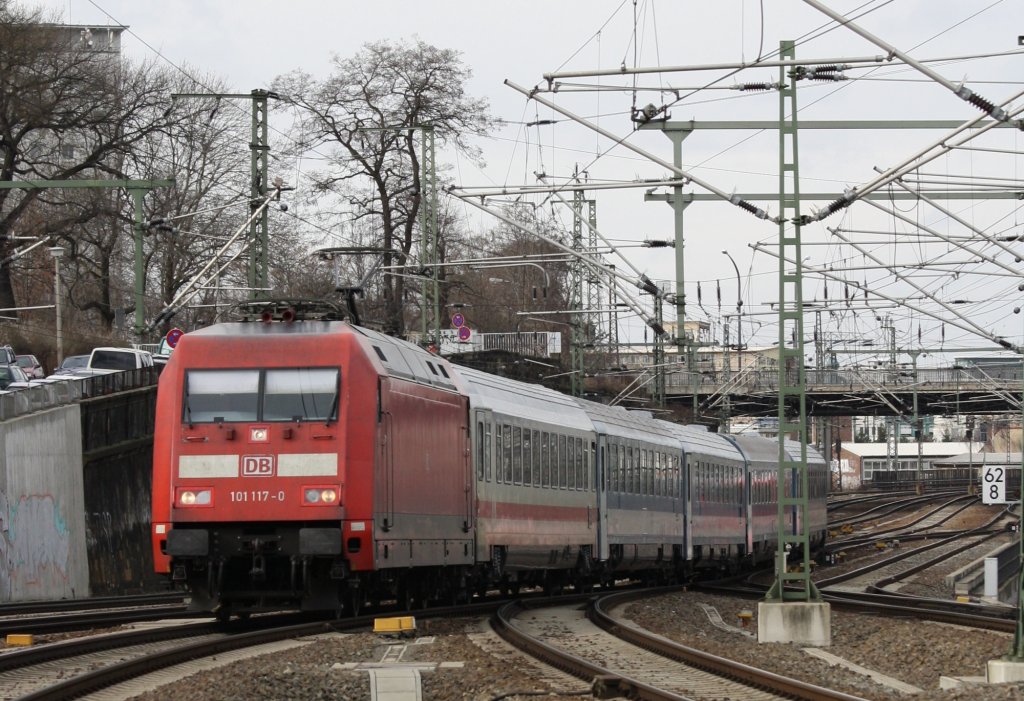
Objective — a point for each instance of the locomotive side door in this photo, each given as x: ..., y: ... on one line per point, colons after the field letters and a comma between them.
x: 468, y: 474
x: 385, y: 487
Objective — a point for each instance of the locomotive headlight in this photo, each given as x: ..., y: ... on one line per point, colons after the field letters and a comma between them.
x: 192, y: 496
x: 259, y: 434
x: 320, y: 496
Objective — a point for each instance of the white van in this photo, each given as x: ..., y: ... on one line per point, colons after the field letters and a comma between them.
x: 103, y: 361
x: 119, y: 359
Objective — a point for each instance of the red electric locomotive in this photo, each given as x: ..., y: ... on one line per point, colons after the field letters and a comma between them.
x: 306, y: 464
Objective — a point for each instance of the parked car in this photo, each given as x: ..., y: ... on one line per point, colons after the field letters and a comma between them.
x: 114, y: 359
x: 7, y: 356
x: 71, y: 363
x: 12, y: 375
x: 31, y: 366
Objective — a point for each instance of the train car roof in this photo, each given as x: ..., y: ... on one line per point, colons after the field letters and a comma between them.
x: 756, y: 448
x: 521, y: 399
x: 256, y: 329
x: 620, y: 422
x: 813, y: 456
x: 697, y: 439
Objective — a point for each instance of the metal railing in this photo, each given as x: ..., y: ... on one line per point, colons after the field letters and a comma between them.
x: 74, y: 389
x: 998, y: 380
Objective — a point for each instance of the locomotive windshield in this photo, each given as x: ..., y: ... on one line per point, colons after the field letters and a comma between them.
x: 280, y: 394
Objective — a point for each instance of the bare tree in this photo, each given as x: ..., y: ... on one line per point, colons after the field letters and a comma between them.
x: 498, y: 294
x: 68, y: 110
x: 366, y: 116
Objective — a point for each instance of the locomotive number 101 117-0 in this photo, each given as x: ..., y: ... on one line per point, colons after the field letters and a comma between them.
x: 257, y: 495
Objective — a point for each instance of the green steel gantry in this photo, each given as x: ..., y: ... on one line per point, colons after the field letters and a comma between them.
x: 258, y: 277
x: 430, y: 300
x: 580, y: 329
x: 259, y: 254
x: 795, y: 585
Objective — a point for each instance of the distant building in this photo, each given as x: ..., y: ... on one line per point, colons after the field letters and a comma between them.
x: 867, y: 459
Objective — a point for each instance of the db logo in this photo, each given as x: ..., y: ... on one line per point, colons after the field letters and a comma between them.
x: 257, y: 466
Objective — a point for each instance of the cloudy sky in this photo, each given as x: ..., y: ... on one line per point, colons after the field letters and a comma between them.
x: 249, y: 43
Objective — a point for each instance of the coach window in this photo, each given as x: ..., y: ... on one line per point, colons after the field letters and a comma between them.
x: 527, y: 458
x: 591, y: 481
x: 576, y: 475
x: 545, y: 461
x: 505, y: 473
x: 634, y: 486
x: 590, y: 467
x: 479, y: 450
x: 536, y: 441
x: 563, y: 464
x: 570, y: 460
x: 517, y: 455
x: 580, y: 462
x: 659, y: 487
x: 221, y: 395
x: 487, y: 451
x: 612, y: 468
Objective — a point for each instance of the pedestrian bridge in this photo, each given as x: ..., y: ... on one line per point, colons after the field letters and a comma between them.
x: 854, y: 391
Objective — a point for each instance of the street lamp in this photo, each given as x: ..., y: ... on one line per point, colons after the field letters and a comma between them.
x: 57, y: 252
x: 739, y: 312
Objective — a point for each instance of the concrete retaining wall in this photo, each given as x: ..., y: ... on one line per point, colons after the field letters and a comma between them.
x: 43, y: 552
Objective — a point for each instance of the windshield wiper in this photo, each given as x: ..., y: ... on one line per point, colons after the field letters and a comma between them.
x: 188, y: 406
x: 334, y: 400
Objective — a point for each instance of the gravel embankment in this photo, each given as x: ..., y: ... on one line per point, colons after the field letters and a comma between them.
x: 312, y: 672
x: 912, y: 652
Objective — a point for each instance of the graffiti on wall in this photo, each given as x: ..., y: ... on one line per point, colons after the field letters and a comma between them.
x: 34, y: 548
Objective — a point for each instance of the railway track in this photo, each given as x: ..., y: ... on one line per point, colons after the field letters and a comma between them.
x: 621, y: 659
x: 73, y: 668
x: 894, y: 508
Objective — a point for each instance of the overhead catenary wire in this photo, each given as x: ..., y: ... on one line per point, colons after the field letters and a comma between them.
x: 622, y: 140
x: 895, y: 300
x: 899, y: 276
x: 929, y: 153
x: 879, y: 59
x: 611, y: 272
x: 962, y: 91
x: 186, y: 292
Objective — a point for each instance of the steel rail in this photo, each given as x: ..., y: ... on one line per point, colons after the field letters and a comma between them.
x: 597, y: 612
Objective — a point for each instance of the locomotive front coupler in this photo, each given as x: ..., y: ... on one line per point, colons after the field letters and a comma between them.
x: 258, y: 572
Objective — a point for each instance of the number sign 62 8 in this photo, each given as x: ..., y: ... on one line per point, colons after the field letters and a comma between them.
x: 993, y: 484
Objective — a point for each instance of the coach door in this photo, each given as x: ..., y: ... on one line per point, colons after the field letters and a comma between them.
x: 483, y: 458
x: 601, y: 484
